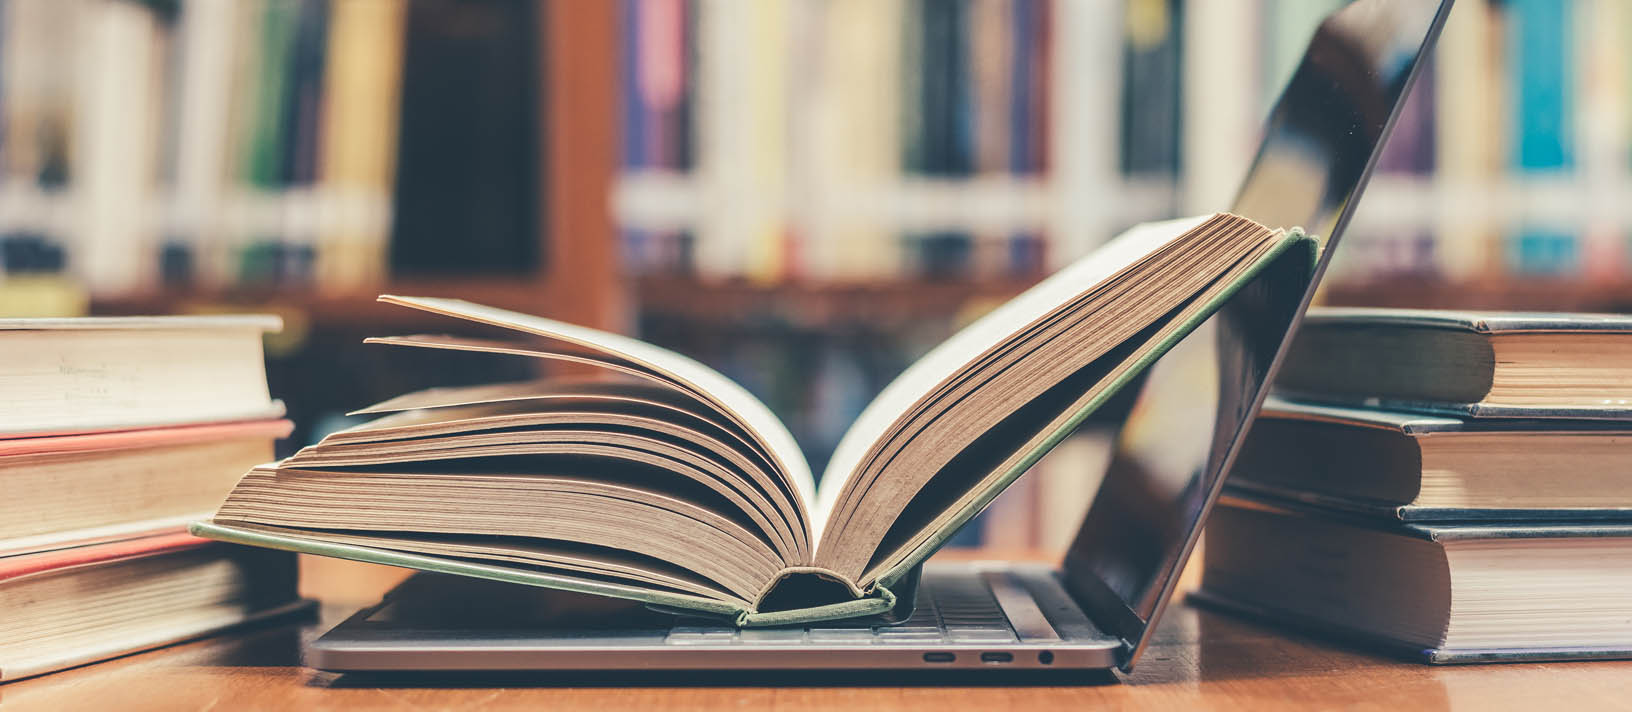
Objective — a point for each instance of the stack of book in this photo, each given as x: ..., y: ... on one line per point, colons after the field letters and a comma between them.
x: 114, y: 433
x: 1455, y: 486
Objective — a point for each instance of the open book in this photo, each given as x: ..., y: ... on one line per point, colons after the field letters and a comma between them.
x: 670, y: 484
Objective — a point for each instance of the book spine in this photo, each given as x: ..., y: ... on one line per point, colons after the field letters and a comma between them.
x: 298, y: 243
x: 1028, y: 121
x: 206, y: 59
x: 991, y: 60
x: 36, y: 98
x: 1541, y: 68
x: 467, y: 187
x: 1603, y: 132
x: 263, y: 175
x: 939, y: 126
x: 1468, y: 130
x: 1218, y: 142
x: 742, y: 121
x: 859, y: 140
x: 114, y: 138
x: 362, y: 82
x: 1151, y: 89
x: 633, y: 117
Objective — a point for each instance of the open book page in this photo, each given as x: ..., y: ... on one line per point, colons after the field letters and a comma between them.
x: 733, y: 399
x: 467, y: 408
x: 964, y: 425
x: 957, y: 492
x: 951, y: 356
x: 611, y: 512
x: 683, y: 442
x: 602, y: 564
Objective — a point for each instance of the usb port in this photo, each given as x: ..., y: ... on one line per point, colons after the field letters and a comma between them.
x: 939, y: 657
x: 997, y: 657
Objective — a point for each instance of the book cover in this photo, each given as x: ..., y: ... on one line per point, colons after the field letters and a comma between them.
x: 144, y: 437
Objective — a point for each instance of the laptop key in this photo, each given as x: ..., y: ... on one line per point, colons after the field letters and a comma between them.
x: 979, y: 634
x: 772, y: 636
x: 700, y: 635
x: 847, y: 636
x: 910, y: 635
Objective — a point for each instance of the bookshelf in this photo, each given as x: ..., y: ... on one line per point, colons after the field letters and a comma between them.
x: 319, y: 365
x: 1458, y: 200
x: 574, y: 279
x: 816, y: 306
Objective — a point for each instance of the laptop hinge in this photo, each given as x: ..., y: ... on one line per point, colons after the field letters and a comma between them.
x: 1104, y: 608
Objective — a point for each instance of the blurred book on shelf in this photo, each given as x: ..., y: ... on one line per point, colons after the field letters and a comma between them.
x: 207, y: 147
x: 340, y: 144
x: 755, y: 160
x: 833, y: 181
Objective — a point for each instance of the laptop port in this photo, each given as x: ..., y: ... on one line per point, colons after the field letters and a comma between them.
x: 997, y: 657
x: 1045, y: 657
x: 939, y: 657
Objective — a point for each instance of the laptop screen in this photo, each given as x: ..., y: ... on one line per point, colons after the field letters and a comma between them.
x: 1319, y: 145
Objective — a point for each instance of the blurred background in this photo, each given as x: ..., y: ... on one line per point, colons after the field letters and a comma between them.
x: 805, y: 194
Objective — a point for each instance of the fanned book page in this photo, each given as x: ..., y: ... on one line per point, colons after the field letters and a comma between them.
x: 663, y: 481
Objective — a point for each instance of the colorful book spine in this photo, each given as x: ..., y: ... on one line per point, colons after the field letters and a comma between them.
x: 362, y: 87
x: 1603, y: 121
x: 742, y: 104
x: 659, y: 76
x: 114, y: 156
x: 265, y: 152
x: 857, y: 143
x: 633, y: 115
x: 938, y: 134
x: 205, y: 59
x: 297, y: 245
x: 1029, y: 80
x: 1151, y: 84
x: 1468, y: 141
x: 36, y: 127
x: 991, y: 58
x: 1541, y: 66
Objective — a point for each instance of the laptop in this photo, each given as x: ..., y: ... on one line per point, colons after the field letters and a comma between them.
x: 1097, y: 608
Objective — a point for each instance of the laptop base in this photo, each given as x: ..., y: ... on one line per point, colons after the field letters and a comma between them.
x: 976, y: 615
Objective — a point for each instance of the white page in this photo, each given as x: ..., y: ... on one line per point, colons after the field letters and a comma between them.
x: 736, y: 400
x: 948, y: 359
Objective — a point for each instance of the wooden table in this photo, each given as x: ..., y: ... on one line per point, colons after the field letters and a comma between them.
x: 1200, y: 660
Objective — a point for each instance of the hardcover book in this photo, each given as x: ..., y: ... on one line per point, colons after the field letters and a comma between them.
x: 65, y: 608
x: 70, y: 490
x: 1440, y: 593
x: 1479, y: 364
x: 110, y: 373
x: 1426, y: 467
x: 669, y: 484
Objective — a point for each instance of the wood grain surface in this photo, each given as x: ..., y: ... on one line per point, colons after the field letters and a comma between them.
x: 1201, y: 660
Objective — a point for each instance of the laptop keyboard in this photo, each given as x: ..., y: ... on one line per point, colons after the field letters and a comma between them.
x: 951, y: 607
